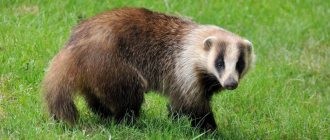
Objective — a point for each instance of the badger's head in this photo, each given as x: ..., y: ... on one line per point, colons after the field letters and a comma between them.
x: 228, y: 56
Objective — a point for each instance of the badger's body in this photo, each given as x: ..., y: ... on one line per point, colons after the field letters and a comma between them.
x: 114, y: 58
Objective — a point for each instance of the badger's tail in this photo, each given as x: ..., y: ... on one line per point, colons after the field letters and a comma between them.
x: 58, y: 93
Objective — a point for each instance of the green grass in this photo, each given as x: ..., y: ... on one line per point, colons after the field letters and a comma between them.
x: 286, y: 95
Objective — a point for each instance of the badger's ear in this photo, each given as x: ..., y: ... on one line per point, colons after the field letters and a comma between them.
x: 208, y: 42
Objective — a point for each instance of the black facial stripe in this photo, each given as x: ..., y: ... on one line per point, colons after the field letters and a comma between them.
x: 240, y: 63
x: 219, y: 61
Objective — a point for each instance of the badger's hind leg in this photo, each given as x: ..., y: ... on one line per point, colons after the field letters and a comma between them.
x: 95, y: 104
x: 121, y: 90
x: 128, y: 96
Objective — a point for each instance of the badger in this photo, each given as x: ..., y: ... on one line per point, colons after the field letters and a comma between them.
x: 114, y: 58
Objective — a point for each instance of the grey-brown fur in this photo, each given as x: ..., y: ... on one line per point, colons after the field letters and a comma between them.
x: 113, y: 58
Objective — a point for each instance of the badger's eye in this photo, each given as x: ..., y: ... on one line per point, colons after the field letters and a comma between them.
x: 220, y: 64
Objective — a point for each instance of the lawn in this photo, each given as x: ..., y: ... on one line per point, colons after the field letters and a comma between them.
x: 286, y: 95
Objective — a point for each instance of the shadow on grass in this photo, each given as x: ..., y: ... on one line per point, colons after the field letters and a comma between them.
x: 147, y: 127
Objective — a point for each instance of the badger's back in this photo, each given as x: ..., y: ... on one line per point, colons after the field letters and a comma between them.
x: 148, y: 41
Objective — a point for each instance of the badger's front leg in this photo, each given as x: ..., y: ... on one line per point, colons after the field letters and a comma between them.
x: 204, y: 121
x: 199, y: 112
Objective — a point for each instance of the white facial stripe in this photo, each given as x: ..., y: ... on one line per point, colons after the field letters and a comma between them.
x: 230, y: 59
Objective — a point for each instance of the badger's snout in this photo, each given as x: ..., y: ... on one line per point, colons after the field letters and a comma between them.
x: 230, y: 83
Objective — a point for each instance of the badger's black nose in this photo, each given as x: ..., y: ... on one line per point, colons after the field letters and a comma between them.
x: 230, y: 83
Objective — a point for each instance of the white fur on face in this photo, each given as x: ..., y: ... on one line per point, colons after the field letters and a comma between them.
x: 231, y: 56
